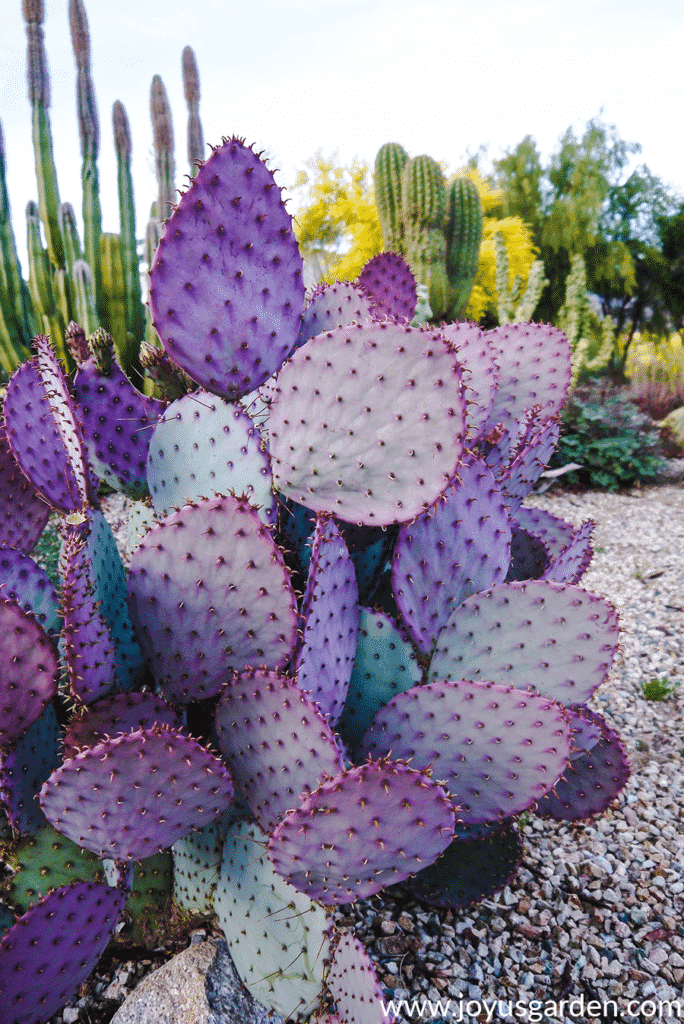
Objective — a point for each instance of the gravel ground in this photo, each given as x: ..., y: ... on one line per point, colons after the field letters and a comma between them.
x: 595, y: 912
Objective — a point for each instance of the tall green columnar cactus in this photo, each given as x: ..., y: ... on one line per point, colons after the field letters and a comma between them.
x: 438, y: 229
x: 423, y: 204
x: 463, y: 231
x: 89, y: 131
x: 162, y: 129
x: 512, y: 308
x: 114, y: 287
x: 47, y: 290
x: 39, y: 98
x: 135, y: 312
x: 389, y: 164
x: 15, y: 325
x: 191, y: 86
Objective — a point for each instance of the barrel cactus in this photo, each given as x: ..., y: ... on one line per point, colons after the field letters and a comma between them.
x: 344, y: 656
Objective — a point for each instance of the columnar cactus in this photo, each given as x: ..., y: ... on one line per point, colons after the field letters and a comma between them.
x: 367, y: 657
x: 437, y: 228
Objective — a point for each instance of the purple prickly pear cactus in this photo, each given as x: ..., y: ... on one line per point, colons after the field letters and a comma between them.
x: 29, y: 586
x: 117, y: 423
x: 377, y: 446
x: 354, y: 984
x: 335, y: 305
x: 23, y: 511
x: 24, y: 767
x: 460, y: 546
x: 209, y: 592
x: 110, y: 716
x: 330, y: 621
x: 572, y: 563
x: 52, y: 949
x: 389, y: 281
x: 278, y: 745
x: 29, y: 671
x: 498, y: 749
x: 366, y: 828
x: 226, y: 291
x: 476, y: 357
x: 127, y: 797
x: 43, y: 432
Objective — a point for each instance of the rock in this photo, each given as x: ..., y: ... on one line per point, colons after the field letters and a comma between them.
x: 198, y: 986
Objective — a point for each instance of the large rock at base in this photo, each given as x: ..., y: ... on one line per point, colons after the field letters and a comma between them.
x: 198, y: 986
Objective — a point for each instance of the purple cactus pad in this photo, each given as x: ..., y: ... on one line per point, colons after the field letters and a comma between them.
x: 110, y: 716
x: 480, y: 371
x: 53, y: 948
x: 29, y: 671
x: 226, y: 291
x: 370, y: 826
x: 127, y: 797
x: 555, y: 637
x: 23, y: 512
x: 497, y: 749
x: 25, y: 583
x: 330, y: 621
x: 555, y: 533
x: 209, y: 592
x: 368, y: 423
x: 571, y: 565
x: 354, y: 985
x: 389, y: 281
x: 334, y: 305
x: 278, y: 746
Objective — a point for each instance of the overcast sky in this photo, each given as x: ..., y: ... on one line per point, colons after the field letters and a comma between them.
x: 296, y: 76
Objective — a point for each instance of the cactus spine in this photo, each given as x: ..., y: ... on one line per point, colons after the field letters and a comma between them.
x: 438, y: 229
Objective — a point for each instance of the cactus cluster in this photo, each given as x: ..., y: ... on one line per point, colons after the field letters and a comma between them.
x: 96, y: 282
x: 435, y: 226
x: 345, y: 656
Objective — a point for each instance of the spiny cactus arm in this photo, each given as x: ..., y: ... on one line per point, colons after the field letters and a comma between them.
x: 504, y: 304
x: 84, y: 296
x: 114, y: 290
x: 39, y: 98
x: 70, y: 236
x: 45, y: 289
x: 389, y: 164
x: 135, y: 312
x: 191, y: 86
x: 463, y: 233
x: 423, y: 199
x: 165, y: 165
x: 536, y: 283
x: 89, y: 133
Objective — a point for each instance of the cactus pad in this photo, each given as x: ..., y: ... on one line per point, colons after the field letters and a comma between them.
x: 497, y: 749
x: 460, y: 546
x: 376, y: 446
x: 372, y: 825
x: 385, y: 664
x: 335, y: 305
x: 592, y: 781
x: 479, y: 368
x: 330, y: 617
x: 572, y: 563
x: 226, y: 291
x: 122, y: 712
x: 209, y: 592
x: 555, y: 637
x: 354, y: 985
x: 23, y: 512
x: 28, y: 585
x: 389, y: 281
x: 129, y: 796
x: 52, y: 949
x: 278, y: 938
x: 45, y: 861
x: 203, y: 446
x: 276, y: 742
x: 24, y: 767
x: 469, y: 870
x: 29, y: 671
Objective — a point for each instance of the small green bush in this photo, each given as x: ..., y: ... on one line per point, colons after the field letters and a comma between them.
x: 658, y: 689
x: 615, y: 444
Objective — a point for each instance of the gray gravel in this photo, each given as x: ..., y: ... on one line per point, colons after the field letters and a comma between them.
x: 595, y: 912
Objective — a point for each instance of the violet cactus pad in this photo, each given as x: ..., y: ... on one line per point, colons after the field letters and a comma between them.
x: 370, y: 826
x: 23, y: 511
x: 226, y: 291
x: 389, y: 280
x: 335, y: 305
x: 52, y: 949
x: 279, y: 747
x: 209, y: 592
x: 354, y: 985
x: 368, y: 423
x: 127, y: 797
x: 29, y: 671
x: 497, y: 749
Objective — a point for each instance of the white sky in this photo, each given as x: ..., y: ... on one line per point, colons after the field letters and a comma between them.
x: 294, y: 77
